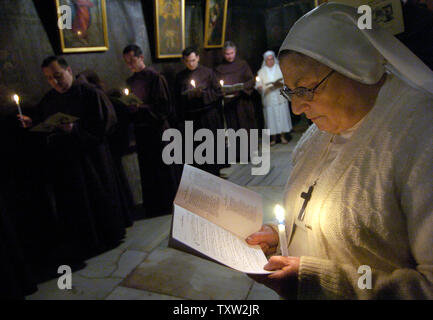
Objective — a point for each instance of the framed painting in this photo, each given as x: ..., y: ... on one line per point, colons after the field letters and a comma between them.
x: 82, y: 25
x: 169, y: 28
x: 215, y: 23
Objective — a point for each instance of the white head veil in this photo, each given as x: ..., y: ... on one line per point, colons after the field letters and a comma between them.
x: 330, y: 35
x: 266, y: 55
x: 272, y: 73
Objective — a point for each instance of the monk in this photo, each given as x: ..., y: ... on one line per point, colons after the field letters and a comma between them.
x: 159, y: 181
x: 238, y: 106
x: 201, y: 104
x: 79, y: 164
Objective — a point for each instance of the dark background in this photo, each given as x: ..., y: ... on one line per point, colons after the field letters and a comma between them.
x: 28, y: 33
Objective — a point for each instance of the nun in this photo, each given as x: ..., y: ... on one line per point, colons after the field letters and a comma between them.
x: 275, y: 106
x: 359, y: 207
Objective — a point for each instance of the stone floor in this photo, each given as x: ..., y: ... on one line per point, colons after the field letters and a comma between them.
x: 144, y: 268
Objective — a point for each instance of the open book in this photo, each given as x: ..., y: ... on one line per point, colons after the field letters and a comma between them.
x: 230, y: 88
x: 52, y: 122
x: 129, y: 99
x: 274, y: 83
x: 213, y: 217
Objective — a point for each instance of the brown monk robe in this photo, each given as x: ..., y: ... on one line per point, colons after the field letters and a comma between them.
x: 15, y: 274
x: 159, y: 181
x: 80, y: 167
x: 200, y: 105
x: 118, y: 141
x: 239, y: 109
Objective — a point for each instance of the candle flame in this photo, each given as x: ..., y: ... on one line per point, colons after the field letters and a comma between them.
x: 280, y: 213
x: 257, y: 79
x: 126, y: 92
x: 222, y: 83
x: 16, y: 98
x: 193, y: 83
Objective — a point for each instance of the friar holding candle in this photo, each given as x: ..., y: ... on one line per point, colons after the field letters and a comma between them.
x: 198, y: 99
x: 155, y: 114
x: 238, y: 106
x: 359, y: 209
x: 79, y: 165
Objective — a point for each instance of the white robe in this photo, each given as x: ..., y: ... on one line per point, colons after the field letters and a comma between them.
x: 275, y: 107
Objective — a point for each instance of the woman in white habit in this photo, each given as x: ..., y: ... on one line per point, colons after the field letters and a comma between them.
x: 275, y: 107
x: 359, y: 204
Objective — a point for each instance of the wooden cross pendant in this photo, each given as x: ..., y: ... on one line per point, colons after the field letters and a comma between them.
x: 306, y: 196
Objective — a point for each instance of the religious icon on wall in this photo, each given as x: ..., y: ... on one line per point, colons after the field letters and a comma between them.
x: 215, y: 25
x: 169, y: 28
x: 82, y: 25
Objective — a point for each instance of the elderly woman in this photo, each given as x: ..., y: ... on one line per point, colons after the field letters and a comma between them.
x: 275, y: 106
x: 359, y: 198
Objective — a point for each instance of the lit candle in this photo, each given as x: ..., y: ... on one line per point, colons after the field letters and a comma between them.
x: 222, y: 83
x: 126, y: 92
x: 280, y: 214
x: 193, y: 83
x: 17, y: 101
x: 257, y: 79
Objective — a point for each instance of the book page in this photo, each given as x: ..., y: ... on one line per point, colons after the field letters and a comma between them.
x: 274, y: 82
x: 217, y: 243
x: 223, y: 203
x: 53, y: 121
x: 130, y: 99
x: 229, y: 88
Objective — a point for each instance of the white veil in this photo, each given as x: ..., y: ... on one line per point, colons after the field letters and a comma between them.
x: 330, y: 35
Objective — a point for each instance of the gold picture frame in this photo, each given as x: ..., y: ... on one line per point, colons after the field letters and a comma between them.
x: 169, y: 28
x: 215, y: 23
x: 88, y: 30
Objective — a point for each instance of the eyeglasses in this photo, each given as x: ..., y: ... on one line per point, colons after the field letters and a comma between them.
x: 302, y: 92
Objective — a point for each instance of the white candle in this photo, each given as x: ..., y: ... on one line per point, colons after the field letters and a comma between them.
x: 126, y: 92
x: 222, y: 83
x: 17, y: 101
x: 193, y: 83
x: 280, y: 214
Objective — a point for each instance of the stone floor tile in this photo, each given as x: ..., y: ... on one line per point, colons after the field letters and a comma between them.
x: 123, y: 293
x: 127, y: 262
x: 103, y: 265
x: 82, y: 289
x: 147, y: 234
x: 175, y: 273
x: 164, y: 243
x: 261, y: 292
